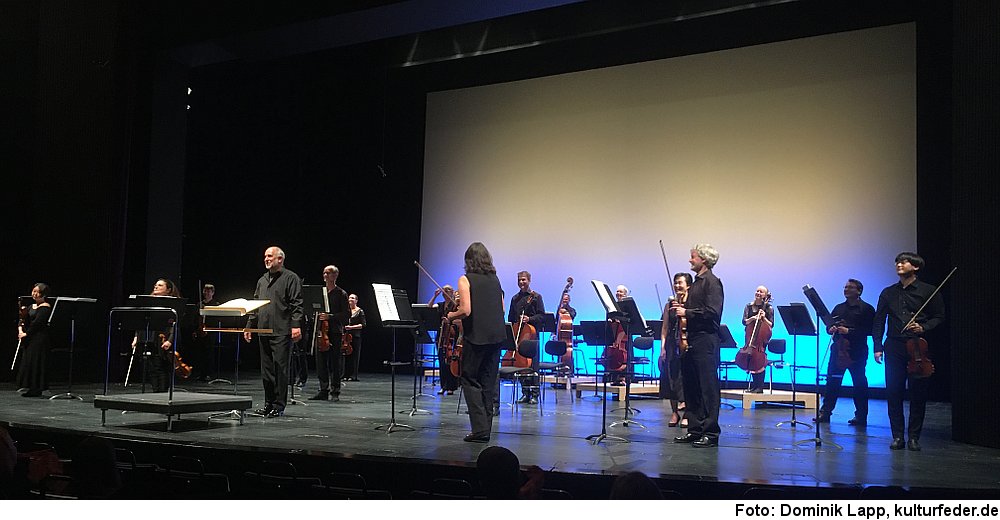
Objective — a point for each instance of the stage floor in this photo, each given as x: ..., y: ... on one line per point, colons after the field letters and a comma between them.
x: 753, y: 448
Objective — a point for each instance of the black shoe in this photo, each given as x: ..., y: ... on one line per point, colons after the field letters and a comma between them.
x: 824, y: 417
x: 858, y: 421
x: 354, y: 379
x: 754, y: 390
x: 477, y: 437
x: 31, y: 394
x: 335, y: 398
x: 263, y: 411
x: 274, y: 413
x: 322, y: 396
x: 524, y: 400
x: 705, y: 442
x: 687, y: 438
x: 913, y: 445
x: 897, y: 444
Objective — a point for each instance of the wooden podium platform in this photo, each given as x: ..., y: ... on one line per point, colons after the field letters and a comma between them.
x: 648, y: 388
x: 806, y: 399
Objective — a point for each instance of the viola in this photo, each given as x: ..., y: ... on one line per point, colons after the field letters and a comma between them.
x: 322, y: 332
x: 347, y: 344
x: 918, y: 365
x: 752, y: 357
x: 682, y: 326
x: 842, y: 348
x: 181, y: 368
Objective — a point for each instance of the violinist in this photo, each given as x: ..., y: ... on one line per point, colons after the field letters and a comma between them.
x: 198, y: 351
x: 330, y: 361
x: 896, y: 306
x: 35, y: 343
x: 284, y: 317
x: 700, y: 362
x: 526, y: 308
x: 480, y: 307
x: 671, y: 381
x: 354, y: 325
x: 750, y: 313
x: 449, y: 383
x: 158, y: 361
x: 849, y: 352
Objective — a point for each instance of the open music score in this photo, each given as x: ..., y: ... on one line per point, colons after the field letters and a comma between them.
x: 235, y: 308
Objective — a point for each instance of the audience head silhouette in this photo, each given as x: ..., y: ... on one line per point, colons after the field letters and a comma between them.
x: 635, y: 486
x: 499, y: 473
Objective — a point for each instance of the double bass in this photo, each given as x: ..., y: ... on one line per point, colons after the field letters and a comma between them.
x: 752, y: 356
x: 564, y: 328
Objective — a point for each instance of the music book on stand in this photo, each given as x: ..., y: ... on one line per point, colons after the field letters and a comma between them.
x: 237, y: 307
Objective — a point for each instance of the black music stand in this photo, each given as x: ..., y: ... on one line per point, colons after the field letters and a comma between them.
x: 428, y: 319
x: 147, y: 318
x: 798, y: 323
x: 726, y: 340
x: 634, y: 324
x: 594, y: 335
x: 829, y: 320
x: 613, y: 312
x: 67, y: 313
x: 395, y: 313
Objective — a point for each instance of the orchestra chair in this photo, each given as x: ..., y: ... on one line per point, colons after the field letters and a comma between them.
x: 775, y: 346
x: 642, y: 348
x: 557, y: 369
x: 726, y: 342
x: 529, y: 349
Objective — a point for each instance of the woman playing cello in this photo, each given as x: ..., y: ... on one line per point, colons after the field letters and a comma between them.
x: 449, y: 383
x: 758, y: 307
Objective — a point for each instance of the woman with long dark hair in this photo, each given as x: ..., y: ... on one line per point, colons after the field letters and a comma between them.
x: 35, y: 343
x: 481, y: 310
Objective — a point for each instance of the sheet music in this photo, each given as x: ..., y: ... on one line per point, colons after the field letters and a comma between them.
x: 605, y: 295
x: 386, y: 302
x: 236, y: 307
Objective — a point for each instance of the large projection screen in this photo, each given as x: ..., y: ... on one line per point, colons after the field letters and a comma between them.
x: 795, y: 159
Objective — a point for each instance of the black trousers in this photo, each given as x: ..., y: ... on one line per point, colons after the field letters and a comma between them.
x: 448, y: 380
x: 349, y: 364
x: 835, y: 380
x: 274, y: 352
x: 700, y: 369
x: 480, y: 366
x: 328, y: 368
x: 896, y: 381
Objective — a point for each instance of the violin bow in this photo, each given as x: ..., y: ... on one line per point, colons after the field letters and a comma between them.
x: 670, y: 277
x: 449, y: 298
x: 929, y: 298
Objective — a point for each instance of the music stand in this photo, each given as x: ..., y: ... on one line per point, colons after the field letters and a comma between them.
x: 70, y: 309
x: 428, y: 319
x: 726, y: 340
x: 632, y: 320
x: 798, y: 323
x: 394, y: 313
x: 829, y: 320
x: 594, y: 335
x: 611, y: 307
x: 235, y: 309
x: 145, y: 318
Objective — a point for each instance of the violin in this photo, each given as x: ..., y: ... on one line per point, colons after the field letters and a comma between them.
x: 752, y: 356
x: 322, y: 332
x: 682, y: 326
x: 919, y: 365
x: 564, y: 329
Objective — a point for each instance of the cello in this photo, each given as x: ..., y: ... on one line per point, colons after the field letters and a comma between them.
x: 449, y: 337
x: 752, y: 357
x: 564, y: 329
x: 523, y: 331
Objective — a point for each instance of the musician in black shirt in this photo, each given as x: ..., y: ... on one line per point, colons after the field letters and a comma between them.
x: 851, y: 328
x: 897, y: 304
x: 700, y: 363
x: 480, y: 308
x: 526, y: 308
x: 449, y: 382
x: 330, y: 362
x: 283, y: 315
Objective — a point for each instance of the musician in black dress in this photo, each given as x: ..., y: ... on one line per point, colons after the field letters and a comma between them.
x: 283, y: 315
x: 897, y: 304
x: 700, y: 362
x: 481, y: 311
x: 449, y: 383
x: 749, y: 317
x: 671, y: 380
x: 35, y: 344
x: 851, y: 333
x: 354, y: 327
x: 155, y: 347
x: 330, y: 361
x: 527, y: 308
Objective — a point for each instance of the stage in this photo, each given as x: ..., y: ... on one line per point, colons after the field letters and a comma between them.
x: 754, y: 450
